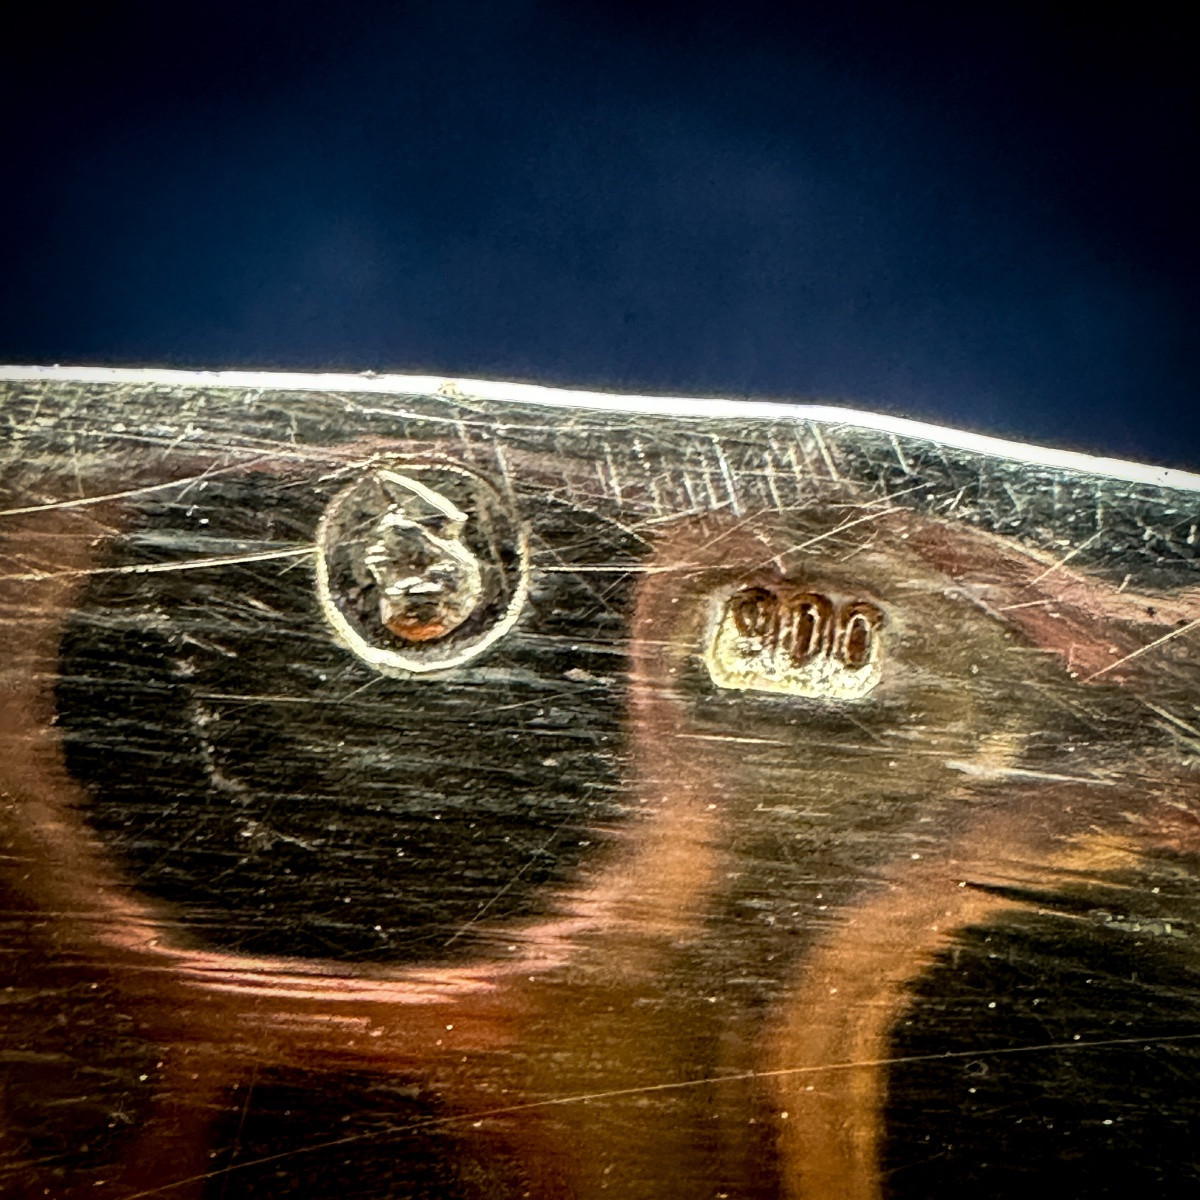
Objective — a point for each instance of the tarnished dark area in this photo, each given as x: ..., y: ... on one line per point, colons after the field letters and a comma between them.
x: 412, y: 793
x: 317, y: 806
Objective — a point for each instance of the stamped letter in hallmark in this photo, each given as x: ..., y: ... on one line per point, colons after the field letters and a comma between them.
x: 800, y: 643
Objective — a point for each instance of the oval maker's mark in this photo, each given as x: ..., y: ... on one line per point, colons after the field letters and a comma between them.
x: 796, y: 642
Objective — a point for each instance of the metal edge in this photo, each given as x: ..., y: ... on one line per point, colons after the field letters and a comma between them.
x: 452, y: 387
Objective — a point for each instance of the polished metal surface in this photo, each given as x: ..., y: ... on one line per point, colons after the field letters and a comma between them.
x: 428, y: 788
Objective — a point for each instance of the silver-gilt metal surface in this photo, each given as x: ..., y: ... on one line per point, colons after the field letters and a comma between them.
x: 419, y: 788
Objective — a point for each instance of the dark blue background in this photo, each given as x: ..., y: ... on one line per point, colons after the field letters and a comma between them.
x: 983, y: 217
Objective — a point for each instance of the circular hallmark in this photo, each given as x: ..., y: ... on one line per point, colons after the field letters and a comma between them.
x: 421, y: 566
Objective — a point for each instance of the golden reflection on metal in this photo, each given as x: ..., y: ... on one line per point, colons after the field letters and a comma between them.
x: 599, y: 1049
